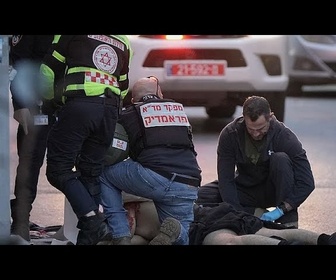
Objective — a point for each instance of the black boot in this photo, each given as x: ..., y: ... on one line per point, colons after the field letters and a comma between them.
x: 327, y: 239
x: 290, y: 219
x: 93, y: 230
x: 20, y: 213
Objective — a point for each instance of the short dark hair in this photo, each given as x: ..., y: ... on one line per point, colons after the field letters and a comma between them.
x: 255, y: 106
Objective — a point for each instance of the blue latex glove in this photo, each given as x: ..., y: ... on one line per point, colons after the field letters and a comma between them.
x: 272, y: 215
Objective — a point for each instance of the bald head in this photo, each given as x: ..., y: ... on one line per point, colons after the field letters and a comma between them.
x: 145, y: 86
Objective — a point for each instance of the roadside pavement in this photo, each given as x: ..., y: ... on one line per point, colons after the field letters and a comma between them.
x: 40, y: 236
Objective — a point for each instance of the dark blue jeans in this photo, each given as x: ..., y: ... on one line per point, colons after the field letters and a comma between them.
x: 171, y: 198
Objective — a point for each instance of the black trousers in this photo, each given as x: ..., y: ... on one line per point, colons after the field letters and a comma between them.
x: 269, y: 194
x: 31, y: 149
x: 279, y: 183
x: 77, y: 145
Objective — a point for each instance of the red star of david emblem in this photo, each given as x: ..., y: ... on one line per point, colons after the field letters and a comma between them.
x: 105, y: 59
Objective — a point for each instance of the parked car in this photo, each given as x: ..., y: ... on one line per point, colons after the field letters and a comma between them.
x: 216, y: 72
x: 312, y: 61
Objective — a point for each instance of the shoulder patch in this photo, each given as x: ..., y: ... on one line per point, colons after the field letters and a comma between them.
x: 105, y: 58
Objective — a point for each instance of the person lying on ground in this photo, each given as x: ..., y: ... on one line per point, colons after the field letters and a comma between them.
x: 142, y: 218
x: 219, y: 225
x: 224, y: 225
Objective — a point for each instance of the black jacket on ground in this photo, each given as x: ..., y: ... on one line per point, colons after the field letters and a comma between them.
x: 225, y: 216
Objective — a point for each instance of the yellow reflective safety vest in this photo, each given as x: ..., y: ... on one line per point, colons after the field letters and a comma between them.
x: 85, y: 65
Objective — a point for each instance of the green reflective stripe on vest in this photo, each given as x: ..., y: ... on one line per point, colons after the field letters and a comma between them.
x: 56, y: 39
x: 123, y: 77
x: 75, y: 87
x: 58, y: 56
x: 78, y: 69
x: 123, y: 93
x: 92, y: 89
x: 48, y: 78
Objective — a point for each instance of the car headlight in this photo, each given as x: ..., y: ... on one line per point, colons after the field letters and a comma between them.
x: 322, y: 39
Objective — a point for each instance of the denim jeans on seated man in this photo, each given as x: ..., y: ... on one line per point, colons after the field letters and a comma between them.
x: 171, y: 198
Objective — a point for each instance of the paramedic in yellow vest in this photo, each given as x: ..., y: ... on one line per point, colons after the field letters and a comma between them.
x: 96, y: 71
